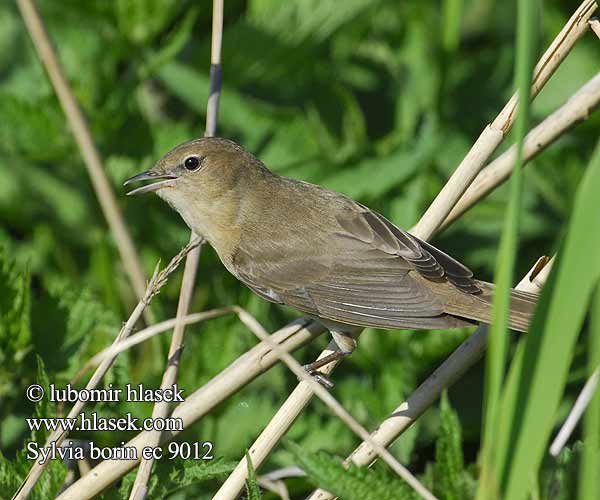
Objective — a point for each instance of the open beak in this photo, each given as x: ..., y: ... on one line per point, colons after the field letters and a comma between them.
x: 163, y: 180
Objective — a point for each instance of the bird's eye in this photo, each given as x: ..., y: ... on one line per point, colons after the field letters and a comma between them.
x: 192, y: 163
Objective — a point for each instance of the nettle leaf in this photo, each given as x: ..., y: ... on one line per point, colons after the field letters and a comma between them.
x: 353, y: 483
x: 15, y: 331
x: 313, y: 20
x: 140, y: 20
x: 77, y: 318
x: 238, y: 112
x: 44, y: 408
x: 252, y: 488
x: 449, y: 473
x: 169, y: 476
x: 385, y: 172
x: 174, y: 475
x: 559, y: 475
x: 13, y: 472
x: 35, y: 129
x: 173, y: 43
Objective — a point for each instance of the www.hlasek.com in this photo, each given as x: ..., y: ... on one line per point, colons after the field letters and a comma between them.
x: 94, y: 422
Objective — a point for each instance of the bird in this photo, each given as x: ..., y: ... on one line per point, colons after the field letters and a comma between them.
x: 318, y: 251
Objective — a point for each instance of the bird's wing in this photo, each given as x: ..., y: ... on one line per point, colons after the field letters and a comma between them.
x: 367, y: 273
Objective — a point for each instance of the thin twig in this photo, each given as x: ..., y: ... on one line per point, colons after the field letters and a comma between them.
x: 162, y: 408
x: 465, y: 356
x: 582, y: 402
x: 494, y: 133
x: 89, y: 152
x: 577, y: 109
x: 57, y: 436
x: 332, y: 404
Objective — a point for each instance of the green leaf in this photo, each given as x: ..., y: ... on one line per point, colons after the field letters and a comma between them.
x: 539, y: 370
x: 140, y: 20
x: 81, y: 322
x: 451, y: 17
x: 352, y: 483
x: 498, y: 337
x: 558, y: 479
x: 15, y: 329
x: 170, y: 476
x: 589, y: 482
x: 12, y: 473
x: 449, y: 466
x: 385, y: 172
x: 252, y: 488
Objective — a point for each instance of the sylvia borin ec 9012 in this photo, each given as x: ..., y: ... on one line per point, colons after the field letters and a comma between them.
x: 317, y: 251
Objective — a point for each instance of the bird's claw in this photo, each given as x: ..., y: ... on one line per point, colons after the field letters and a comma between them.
x: 319, y: 377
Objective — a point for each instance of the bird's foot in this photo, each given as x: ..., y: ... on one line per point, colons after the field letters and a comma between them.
x: 319, y: 377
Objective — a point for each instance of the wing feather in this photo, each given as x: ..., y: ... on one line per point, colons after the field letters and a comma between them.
x: 364, y: 276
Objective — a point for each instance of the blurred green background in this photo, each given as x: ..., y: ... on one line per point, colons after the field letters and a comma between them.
x: 378, y: 99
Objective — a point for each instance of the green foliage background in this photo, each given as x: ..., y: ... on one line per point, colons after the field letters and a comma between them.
x: 378, y: 99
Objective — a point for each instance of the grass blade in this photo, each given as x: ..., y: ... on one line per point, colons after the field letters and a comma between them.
x: 538, y: 374
x: 589, y: 484
x: 496, y: 359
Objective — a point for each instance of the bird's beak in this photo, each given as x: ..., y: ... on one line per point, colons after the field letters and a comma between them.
x: 163, y: 180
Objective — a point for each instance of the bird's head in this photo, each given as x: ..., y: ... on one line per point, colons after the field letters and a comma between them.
x: 203, y: 179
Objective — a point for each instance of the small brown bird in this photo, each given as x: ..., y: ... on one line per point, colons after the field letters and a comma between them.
x: 318, y: 251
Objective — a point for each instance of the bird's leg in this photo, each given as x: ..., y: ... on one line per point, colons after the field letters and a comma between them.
x: 346, y: 344
x: 320, y: 363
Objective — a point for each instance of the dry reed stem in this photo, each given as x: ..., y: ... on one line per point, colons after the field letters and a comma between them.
x: 89, y: 152
x: 157, y: 281
x: 277, y: 487
x: 595, y: 25
x: 582, y: 402
x: 464, y: 356
x: 494, y: 133
x: 429, y: 223
x: 575, y: 110
x: 332, y: 403
x: 161, y: 409
x: 241, y: 372
x: 271, y: 435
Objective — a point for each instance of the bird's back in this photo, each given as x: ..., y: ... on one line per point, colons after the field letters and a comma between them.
x: 331, y: 257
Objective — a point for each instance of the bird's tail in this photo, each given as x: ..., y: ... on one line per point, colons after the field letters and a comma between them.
x: 479, y: 307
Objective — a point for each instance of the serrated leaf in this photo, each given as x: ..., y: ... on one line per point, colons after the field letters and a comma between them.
x: 15, y: 330
x: 353, y: 483
x: 449, y: 466
x: 252, y: 488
